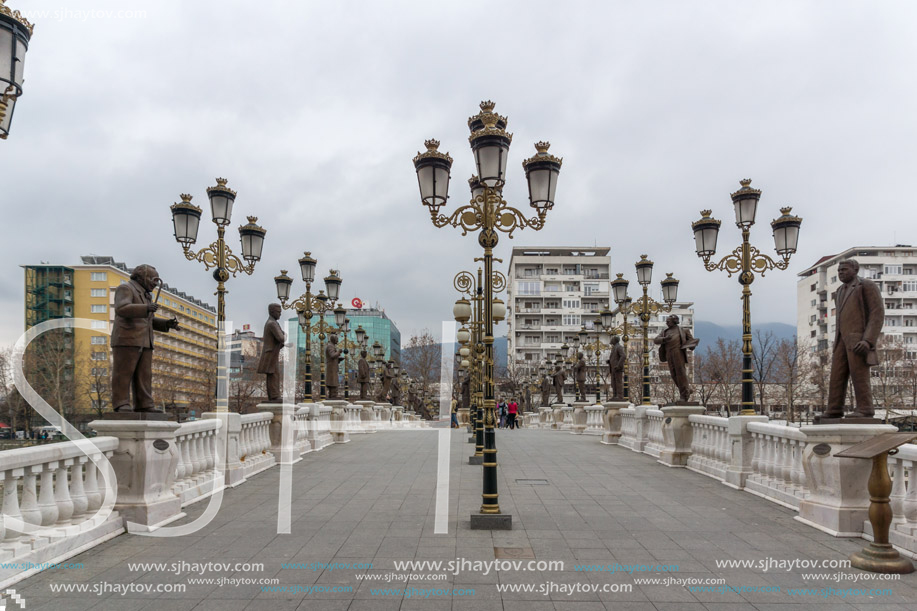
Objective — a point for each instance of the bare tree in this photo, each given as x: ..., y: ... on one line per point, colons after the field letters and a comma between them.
x: 725, y: 362
x: 49, y: 368
x: 421, y: 360
x: 789, y: 370
x: 703, y: 382
x: 763, y: 362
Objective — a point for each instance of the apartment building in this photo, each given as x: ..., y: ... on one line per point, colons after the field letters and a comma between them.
x: 892, y: 268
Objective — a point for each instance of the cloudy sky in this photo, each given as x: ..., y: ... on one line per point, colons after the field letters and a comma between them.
x: 313, y: 111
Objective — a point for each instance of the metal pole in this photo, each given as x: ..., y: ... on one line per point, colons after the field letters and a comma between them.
x: 478, y: 367
x: 748, y: 392
x: 488, y: 239
x: 645, y: 320
x: 308, y: 397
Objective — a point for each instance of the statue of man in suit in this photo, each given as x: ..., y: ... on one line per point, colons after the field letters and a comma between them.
x: 272, y: 341
x: 559, y: 376
x: 860, y: 314
x: 674, y: 343
x: 363, y: 375
x: 579, y: 372
x: 132, y: 341
x: 332, y: 358
x: 396, y: 391
x: 616, y: 363
x: 387, y: 374
x: 466, y: 392
x: 545, y: 390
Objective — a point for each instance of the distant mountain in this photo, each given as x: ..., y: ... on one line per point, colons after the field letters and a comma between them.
x: 709, y: 332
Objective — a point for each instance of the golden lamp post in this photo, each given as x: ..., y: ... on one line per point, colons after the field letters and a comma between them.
x: 489, y: 213
x: 306, y: 306
x: 746, y: 260
x: 186, y: 220
x: 645, y: 308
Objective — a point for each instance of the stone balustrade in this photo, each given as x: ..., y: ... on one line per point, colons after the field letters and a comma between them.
x: 654, y: 441
x: 530, y: 421
x: 710, y: 446
x: 197, y: 474
x: 595, y: 424
x: 255, y: 443
x: 777, y: 471
x: 52, y: 497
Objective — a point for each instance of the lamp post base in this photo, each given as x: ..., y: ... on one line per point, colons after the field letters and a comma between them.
x: 476, y: 460
x: 495, y: 521
x: 881, y: 558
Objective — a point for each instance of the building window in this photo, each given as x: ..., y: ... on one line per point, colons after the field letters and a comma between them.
x: 571, y: 319
x: 99, y: 371
x: 813, y: 334
x: 892, y: 269
x: 98, y: 340
x: 571, y: 287
x: 813, y: 287
x: 813, y: 303
x: 99, y: 356
x: 529, y: 288
x: 98, y: 293
x: 98, y: 276
x: 572, y: 304
x: 100, y: 324
x: 99, y: 308
x: 551, y: 271
x: 590, y: 287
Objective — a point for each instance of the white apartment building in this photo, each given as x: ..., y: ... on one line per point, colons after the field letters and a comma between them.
x: 554, y: 290
x: 893, y: 268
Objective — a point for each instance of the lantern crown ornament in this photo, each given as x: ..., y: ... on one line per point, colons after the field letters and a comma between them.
x: 476, y: 122
x: 6, y: 13
x: 490, y: 146
x: 186, y: 220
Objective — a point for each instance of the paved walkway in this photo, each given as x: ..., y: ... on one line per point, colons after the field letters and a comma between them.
x: 373, y: 501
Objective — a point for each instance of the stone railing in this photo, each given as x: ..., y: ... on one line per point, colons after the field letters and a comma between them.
x: 255, y: 443
x: 316, y: 418
x: 777, y: 469
x: 197, y: 472
x: 595, y: 424
x: 52, y: 494
x: 654, y: 441
x: 530, y: 421
x: 710, y: 445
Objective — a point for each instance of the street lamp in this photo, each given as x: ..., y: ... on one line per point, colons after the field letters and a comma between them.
x: 746, y: 260
x: 15, y: 33
x: 645, y: 307
x: 471, y: 313
x: 489, y: 213
x: 307, y: 305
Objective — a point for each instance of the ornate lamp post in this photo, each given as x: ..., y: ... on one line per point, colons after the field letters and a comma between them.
x: 489, y: 213
x: 307, y: 305
x: 746, y: 260
x: 15, y: 33
x: 465, y: 313
x: 186, y: 219
x: 646, y: 307
x: 325, y: 329
x: 596, y: 348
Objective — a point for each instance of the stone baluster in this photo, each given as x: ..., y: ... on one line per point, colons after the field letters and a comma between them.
x: 909, y: 506
x: 91, y: 486
x: 77, y: 490
x: 899, y: 492
x: 11, y: 479
x: 799, y: 474
x: 185, y: 448
x: 62, y: 493
x: 46, y: 504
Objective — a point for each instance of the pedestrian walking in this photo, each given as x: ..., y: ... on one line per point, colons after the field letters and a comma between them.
x: 512, y: 410
x: 502, y: 414
x: 455, y: 423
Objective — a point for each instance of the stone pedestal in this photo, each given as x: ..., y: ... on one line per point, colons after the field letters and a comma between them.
x: 641, y: 432
x: 498, y: 521
x: 839, y: 500
x: 339, y: 432
x: 612, y: 420
x: 558, y: 416
x: 463, y: 417
x: 742, y: 450
x: 386, y: 414
x: 577, y: 417
x: 676, y: 434
x: 545, y: 417
x: 283, y: 433
x: 144, y: 464
x: 367, y: 417
x: 228, y: 446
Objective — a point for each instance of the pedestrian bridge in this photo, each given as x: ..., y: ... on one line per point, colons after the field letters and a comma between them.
x: 612, y: 508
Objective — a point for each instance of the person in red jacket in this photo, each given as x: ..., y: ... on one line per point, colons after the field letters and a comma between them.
x: 512, y: 409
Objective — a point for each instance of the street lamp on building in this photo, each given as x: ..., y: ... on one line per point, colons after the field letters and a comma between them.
x: 489, y: 213
x: 15, y: 34
x: 306, y: 306
x: 746, y: 260
x: 645, y: 308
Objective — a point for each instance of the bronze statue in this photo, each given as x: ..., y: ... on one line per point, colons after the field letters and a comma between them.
x: 132, y: 341
x: 545, y: 390
x: 579, y: 372
x: 616, y: 364
x: 674, y: 343
x: 273, y: 339
x: 466, y: 392
x: 363, y: 375
x: 860, y: 315
x: 559, y: 376
x: 396, y: 391
x: 387, y: 374
x: 332, y: 358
